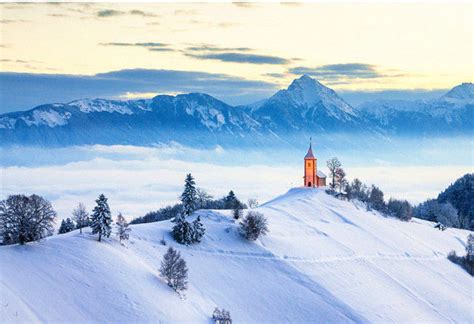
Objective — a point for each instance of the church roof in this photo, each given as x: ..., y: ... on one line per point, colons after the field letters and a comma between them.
x: 309, y: 155
x: 320, y: 174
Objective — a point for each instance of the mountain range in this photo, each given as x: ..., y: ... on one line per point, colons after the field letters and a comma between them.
x: 306, y: 108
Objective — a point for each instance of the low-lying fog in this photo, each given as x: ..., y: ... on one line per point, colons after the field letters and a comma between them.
x: 140, y: 179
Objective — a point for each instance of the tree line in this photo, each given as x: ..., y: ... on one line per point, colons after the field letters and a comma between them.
x: 454, y: 207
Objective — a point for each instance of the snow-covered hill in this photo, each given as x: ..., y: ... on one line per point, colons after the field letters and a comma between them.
x: 324, y: 260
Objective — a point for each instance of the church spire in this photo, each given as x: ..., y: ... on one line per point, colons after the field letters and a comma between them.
x: 310, y: 155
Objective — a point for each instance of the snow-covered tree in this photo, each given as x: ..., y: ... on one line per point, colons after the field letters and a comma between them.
x: 447, y: 215
x: 189, y: 195
x: 185, y: 232
x: 400, y: 209
x: 435, y: 211
x: 122, y: 228
x: 333, y: 164
x: 237, y: 210
x: 25, y: 218
x: 198, y: 230
x: 376, y: 200
x: 252, y: 202
x: 182, y: 231
x: 80, y: 216
x: 202, y: 198
x: 67, y: 225
x: 230, y: 200
x: 253, y: 225
x: 101, y: 218
x: 340, y: 176
x: 173, y: 269
x: 470, y: 248
x: 221, y: 316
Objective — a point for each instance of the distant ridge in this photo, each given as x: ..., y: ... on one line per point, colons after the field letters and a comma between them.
x: 305, y: 108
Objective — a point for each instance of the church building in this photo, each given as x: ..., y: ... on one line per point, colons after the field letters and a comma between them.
x: 312, y: 176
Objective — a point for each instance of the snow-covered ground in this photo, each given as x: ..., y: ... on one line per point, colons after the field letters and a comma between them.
x: 324, y: 260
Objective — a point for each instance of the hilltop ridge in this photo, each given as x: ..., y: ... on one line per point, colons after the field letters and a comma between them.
x: 334, y: 259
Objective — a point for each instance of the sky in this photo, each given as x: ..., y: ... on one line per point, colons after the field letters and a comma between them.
x: 237, y: 52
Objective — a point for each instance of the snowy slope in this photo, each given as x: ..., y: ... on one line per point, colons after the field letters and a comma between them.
x: 324, y: 260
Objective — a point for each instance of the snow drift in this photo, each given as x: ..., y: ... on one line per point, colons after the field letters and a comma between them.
x: 324, y: 260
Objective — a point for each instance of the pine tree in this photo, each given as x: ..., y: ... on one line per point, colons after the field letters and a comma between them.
x: 80, y: 215
x: 62, y: 227
x: 173, y: 269
x: 189, y: 195
x: 122, y: 228
x: 182, y: 232
x: 237, y: 210
x: 221, y: 316
x: 198, y: 230
x: 67, y: 225
x: 101, y: 218
x: 470, y: 248
x: 230, y: 200
x: 376, y: 200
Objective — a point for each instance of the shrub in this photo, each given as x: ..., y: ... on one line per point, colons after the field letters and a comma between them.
x: 464, y: 262
x: 221, y: 316
x: 254, y: 225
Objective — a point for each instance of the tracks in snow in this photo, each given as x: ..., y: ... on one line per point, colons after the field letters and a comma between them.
x: 325, y: 259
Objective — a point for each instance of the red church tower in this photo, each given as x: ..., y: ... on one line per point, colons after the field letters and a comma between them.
x: 312, y: 177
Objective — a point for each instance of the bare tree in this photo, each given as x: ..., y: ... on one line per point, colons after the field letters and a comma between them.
x: 174, y: 270
x: 340, y: 178
x: 252, y: 203
x: 122, y: 228
x: 333, y: 164
x: 25, y: 218
x: 202, y: 198
x: 80, y: 216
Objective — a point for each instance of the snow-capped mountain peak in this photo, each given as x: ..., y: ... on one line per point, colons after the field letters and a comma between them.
x: 463, y: 93
x: 308, y: 92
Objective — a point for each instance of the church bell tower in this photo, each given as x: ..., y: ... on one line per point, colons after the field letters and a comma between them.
x: 310, y: 168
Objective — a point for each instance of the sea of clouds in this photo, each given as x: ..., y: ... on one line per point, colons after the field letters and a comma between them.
x: 140, y: 179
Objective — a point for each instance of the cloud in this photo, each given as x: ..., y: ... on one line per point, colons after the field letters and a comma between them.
x: 13, y: 61
x: 185, y: 12
x: 11, y: 21
x: 241, y: 58
x: 109, y: 13
x: 161, y: 49
x: 337, y: 71
x: 21, y: 91
x: 243, y: 4
x: 151, y: 46
x: 275, y: 75
x: 214, y: 48
x: 112, y: 13
x: 143, y: 44
x: 142, y: 13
